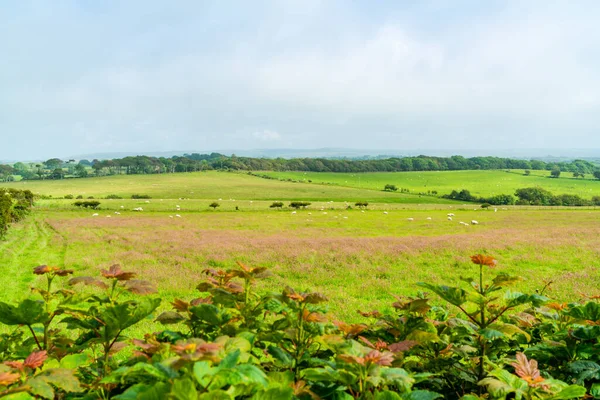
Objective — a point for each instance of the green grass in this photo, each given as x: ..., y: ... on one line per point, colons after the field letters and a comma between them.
x: 479, y: 183
x: 359, y: 262
x: 213, y: 185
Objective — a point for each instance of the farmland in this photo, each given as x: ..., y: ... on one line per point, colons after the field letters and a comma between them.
x: 358, y: 259
x: 479, y: 183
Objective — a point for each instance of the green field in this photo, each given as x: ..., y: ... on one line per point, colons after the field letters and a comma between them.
x: 358, y: 259
x: 479, y: 183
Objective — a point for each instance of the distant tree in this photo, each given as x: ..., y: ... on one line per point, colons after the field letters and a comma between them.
x: 81, y: 170
x: 555, y: 173
x: 527, y: 172
x: 6, y: 172
x: 597, y: 173
x: 596, y: 200
x: 214, y: 205
x: 58, y: 173
x: 390, y: 188
x: 276, y: 204
x: 299, y: 204
x: 535, y: 196
x: 87, y: 163
x: 361, y: 204
x: 54, y: 163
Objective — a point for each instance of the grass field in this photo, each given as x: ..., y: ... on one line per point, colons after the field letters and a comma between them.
x: 479, y: 183
x: 358, y: 259
x: 212, y: 185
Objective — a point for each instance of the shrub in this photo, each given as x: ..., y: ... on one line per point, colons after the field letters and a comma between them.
x: 79, y: 197
x: 299, y: 204
x: 87, y: 204
x: 390, y: 188
x: 214, y: 205
x: 69, y: 196
x: 276, y: 204
x: 361, y: 204
x: 485, y: 205
x: 140, y: 196
x: 113, y: 196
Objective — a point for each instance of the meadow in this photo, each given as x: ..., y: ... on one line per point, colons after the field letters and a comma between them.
x: 479, y: 183
x: 359, y: 259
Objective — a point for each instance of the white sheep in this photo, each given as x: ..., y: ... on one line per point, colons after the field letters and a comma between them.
x: 94, y: 214
x: 428, y: 218
x: 473, y: 222
x: 138, y: 209
x: 117, y: 213
x: 451, y: 214
x: 293, y: 212
x: 147, y: 201
x: 410, y: 219
x: 449, y: 218
x: 385, y: 212
x: 178, y: 216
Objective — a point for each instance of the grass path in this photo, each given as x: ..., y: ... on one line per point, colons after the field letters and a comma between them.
x: 28, y: 244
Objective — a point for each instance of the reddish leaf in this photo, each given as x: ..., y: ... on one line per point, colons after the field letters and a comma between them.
x: 527, y: 369
x: 42, y: 269
x: 89, y: 281
x: 115, y: 271
x: 8, y: 378
x: 64, y: 272
x: 481, y: 259
x: 140, y: 287
x: 180, y: 305
x: 36, y: 359
x: 402, y: 346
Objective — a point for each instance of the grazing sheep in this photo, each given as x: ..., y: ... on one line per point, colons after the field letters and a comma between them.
x: 117, y: 213
x: 170, y: 216
x: 324, y: 212
x: 428, y: 218
x: 385, y: 212
x: 122, y: 206
x: 138, y: 209
x: 410, y: 219
x: 108, y: 216
x: 463, y: 223
x: 177, y: 206
x: 178, y: 216
x: 495, y: 210
x: 94, y: 214
x: 362, y: 211
x: 473, y: 222
x: 449, y: 218
x: 147, y: 201
x: 293, y: 212
x: 451, y: 214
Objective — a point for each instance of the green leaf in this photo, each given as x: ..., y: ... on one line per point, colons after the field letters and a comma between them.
x: 502, y: 280
x: 319, y: 374
x: 141, y: 371
x: 203, y: 372
x: 159, y: 391
x: 133, y: 392
x: 398, y: 377
x: 62, y: 379
x: 41, y: 388
x: 491, y: 334
x: 584, y: 370
x: 421, y: 395
x: 216, y: 395
x: 252, y: 374
x: 230, y: 360
x: 170, y: 317
x: 570, y: 392
x: 183, y: 389
x: 282, y: 357
x: 387, y: 395
x: 28, y: 312
x: 74, y: 361
x: 452, y: 295
x: 208, y: 313
x: 595, y: 390
x: 275, y: 394
x: 18, y: 396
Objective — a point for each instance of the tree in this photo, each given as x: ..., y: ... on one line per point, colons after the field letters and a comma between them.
x: 597, y: 173
x: 527, y: 172
x: 214, y: 205
x: 298, y: 204
x: 81, y: 170
x: 555, y: 173
x: 54, y: 163
x: 361, y: 204
x: 390, y: 188
x: 276, y: 204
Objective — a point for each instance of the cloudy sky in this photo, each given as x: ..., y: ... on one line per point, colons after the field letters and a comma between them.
x: 87, y: 76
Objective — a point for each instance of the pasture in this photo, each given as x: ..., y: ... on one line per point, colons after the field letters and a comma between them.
x: 360, y: 260
x: 479, y: 183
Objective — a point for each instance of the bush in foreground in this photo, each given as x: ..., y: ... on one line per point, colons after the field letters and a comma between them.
x: 230, y: 342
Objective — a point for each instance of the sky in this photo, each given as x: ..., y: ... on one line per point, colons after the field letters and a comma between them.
x: 87, y: 76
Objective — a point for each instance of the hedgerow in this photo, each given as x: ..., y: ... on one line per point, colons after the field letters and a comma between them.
x: 482, y: 341
x: 14, y: 206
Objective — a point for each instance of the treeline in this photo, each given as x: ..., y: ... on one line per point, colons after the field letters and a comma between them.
x: 534, y: 196
x: 57, y: 169
x: 14, y: 206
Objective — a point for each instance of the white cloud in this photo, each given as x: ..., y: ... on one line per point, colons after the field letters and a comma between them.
x: 267, y: 136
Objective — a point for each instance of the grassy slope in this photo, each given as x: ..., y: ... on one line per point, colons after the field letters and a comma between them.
x: 358, y: 261
x: 212, y: 185
x: 479, y: 183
